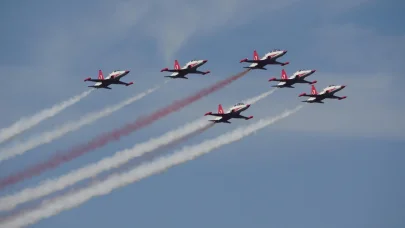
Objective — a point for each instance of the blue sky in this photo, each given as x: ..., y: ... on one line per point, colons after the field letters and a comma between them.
x: 332, y: 165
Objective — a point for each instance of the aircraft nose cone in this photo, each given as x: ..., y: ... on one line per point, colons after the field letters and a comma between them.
x: 204, y: 61
x: 343, y: 86
x: 285, y: 51
x: 127, y: 71
x: 248, y: 105
x: 313, y: 71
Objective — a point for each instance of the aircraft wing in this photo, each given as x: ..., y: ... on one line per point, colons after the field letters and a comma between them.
x: 95, y: 80
x: 258, y: 64
x: 216, y: 114
x: 314, y: 100
x: 175, y: 73
x: 314, y: 96
x: 255, y: 64
x: 223, y: 119
x: 252, y: 60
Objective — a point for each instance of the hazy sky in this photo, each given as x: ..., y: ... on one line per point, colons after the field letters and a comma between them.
x: 334, y: 165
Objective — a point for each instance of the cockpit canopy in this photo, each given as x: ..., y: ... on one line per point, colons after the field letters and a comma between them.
x: 116, y: 71
x: 330, y: 85
x: 276, y: 50
x: 238, y: 104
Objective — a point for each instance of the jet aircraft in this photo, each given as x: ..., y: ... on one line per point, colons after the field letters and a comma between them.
x: 113, y: 78
x: 298, y: 77
x: 268, y: 59
x: 327, y: 93
x: 233, y: 112
x: 189, y: 68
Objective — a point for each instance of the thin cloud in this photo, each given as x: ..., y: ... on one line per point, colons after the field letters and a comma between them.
x: 201, y: 19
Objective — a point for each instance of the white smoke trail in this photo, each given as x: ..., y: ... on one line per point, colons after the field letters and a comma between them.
x: 116, y: 181
x: 28, y: 122
x: 260, y: 97
x: 49, y: 136
x: 116, y: 160
x: 119, y: 158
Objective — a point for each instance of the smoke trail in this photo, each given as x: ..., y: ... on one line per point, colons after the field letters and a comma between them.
x: 260, y: 97
x: 188, y: 153
x: 28, y: 122
x: 170, y: 138
x: 25, y: 193
x: 114, y: 161
x: 58, y: 132
x: 116, y: 134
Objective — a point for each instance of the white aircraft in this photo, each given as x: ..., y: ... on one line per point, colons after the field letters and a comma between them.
x: 328, y: 92
x: 297, y: 77
x: 269, y: 58
x: 113, y: 78
x: 189, y: 68
x: 233, y: 112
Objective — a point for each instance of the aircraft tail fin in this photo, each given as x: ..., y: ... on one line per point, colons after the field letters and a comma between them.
x: 220, y: 109
x: 176, y: 65
x: 100, y: 75
x: 283, y: 74
x: 255, y: 55
x: 313, y: 90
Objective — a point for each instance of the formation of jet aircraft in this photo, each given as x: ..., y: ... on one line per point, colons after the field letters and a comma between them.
x: 270, y: 58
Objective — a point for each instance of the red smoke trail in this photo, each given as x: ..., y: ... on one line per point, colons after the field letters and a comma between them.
x: 114, y: 135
